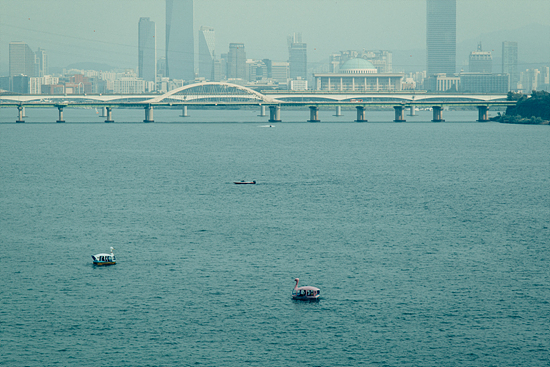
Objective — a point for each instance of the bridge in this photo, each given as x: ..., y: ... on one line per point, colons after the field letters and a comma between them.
x: 212, y: 94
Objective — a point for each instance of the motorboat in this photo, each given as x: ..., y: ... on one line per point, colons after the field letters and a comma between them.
x: 244, y: 182
x: 306, y: 293
x: 105, y: 259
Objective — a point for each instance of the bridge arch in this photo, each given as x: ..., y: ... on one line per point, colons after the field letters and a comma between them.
x: 220, y: 89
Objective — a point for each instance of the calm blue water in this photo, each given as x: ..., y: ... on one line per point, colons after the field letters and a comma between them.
x: 430, y: 242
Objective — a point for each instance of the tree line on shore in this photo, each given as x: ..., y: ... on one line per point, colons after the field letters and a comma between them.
x: 533, y: 109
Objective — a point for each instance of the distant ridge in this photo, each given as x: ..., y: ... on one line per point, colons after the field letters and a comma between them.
x: 90, y: 66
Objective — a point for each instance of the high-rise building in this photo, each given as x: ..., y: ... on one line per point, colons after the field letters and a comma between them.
x: 510, y: 62
x: 236, y: 61
x: 147, y: 50
x: 297, y: 57
x: 22, y: 59
x: 441, y: 36
x: 180, y: 45
x: 480, y: 61
x: 207, y: 44
x: 42, y: 67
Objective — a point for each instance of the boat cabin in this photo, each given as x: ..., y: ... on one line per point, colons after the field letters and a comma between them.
x: 104, y: 259
x: 305, y: 293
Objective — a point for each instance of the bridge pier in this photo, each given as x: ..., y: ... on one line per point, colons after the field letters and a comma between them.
x: 361, y: 114
x: 482, y: 114
x: 60, y: 108
x: 437, y: 114
x: 313, y: 114
x: 338, y: 111
x: 21, y: 113
x: 274, y: 113
x: 184, y: 111
x: 103, y: 112
x: 399, y: 114
x: 109, y: 114
x: 148, y: 114
x: 262, y: 111
x: 412, y: 111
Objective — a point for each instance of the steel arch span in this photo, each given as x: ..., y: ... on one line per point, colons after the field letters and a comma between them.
x: 212, y: 92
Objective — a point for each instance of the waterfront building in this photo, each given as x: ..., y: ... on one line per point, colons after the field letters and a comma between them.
x: 147, y: 49
x: 41, y: 60
x: 359, y: 75
x: 236, y: 61
x: 22, y: 60
x: 442, y: 83
x: 129, y: 85
x: 180, y: 44
x: 381, y: 59
x: 297, y: 56
x: 441, y: 36
x: 20, y: 84
x: 480, y: 61
x: 219, y: 71
x: 510, y: 62
x: 484, y: 83
x: 207, y: 44
x: 298, y: 84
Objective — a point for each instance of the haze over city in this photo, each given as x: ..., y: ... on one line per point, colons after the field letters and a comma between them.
x: 105, y: 32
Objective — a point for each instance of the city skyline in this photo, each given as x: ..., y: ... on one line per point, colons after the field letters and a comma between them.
x: 100, y: 39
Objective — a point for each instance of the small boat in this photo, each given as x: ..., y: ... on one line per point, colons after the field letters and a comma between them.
x: 244, y: 182
x: 305, y: 293
x: 104, y: 259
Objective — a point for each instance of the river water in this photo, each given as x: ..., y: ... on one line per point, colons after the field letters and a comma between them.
x: 429, y: 242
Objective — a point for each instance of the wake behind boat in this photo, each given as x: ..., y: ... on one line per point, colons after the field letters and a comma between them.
x: 104, y: 259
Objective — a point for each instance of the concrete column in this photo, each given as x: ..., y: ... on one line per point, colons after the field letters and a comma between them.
x: 399, y: 114
x: 274, y: 113
x: 412, y: 111
x: 184, y: 111
x: 60, y: 108
x: 313, y: 114
x: 24, y: 113
x: 103, y: 112
x: 109, y: 114
x: 437, y: 114
x: 148, y: 114
x: 360, y: 114
x: 262, y: 111
x: 482, y: 113
x: 338, y: 111
x: 20, y: 118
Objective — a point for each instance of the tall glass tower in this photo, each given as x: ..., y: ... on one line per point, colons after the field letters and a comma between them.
x: 441, y: 37
x: 510, y: 62
x: 147, y: 50
x: 297, y: 51
x: 180, y: 44
x: 22, y: 59
x: 207, y: 43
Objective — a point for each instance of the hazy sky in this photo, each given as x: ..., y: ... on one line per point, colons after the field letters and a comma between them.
x: 105, y: 31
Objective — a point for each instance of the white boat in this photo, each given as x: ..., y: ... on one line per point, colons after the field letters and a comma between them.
x: 307, y: 293
x: 105, y: 259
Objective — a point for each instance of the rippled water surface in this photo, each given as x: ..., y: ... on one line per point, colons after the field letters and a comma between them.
x: 430, y: 243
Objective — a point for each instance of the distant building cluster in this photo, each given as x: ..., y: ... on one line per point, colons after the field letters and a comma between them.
x: 351, y: 70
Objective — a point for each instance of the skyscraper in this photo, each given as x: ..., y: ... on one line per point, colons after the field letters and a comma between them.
x: 22, y: 59
x: 180, y: 45
x: 297, y: 56
x: 480, y: 61
x: 207, y: 45
x: 441, y: 36
x: 510, y: 62
x: 147, y: 49
x: 236, y: 61
x: 41, y: 63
